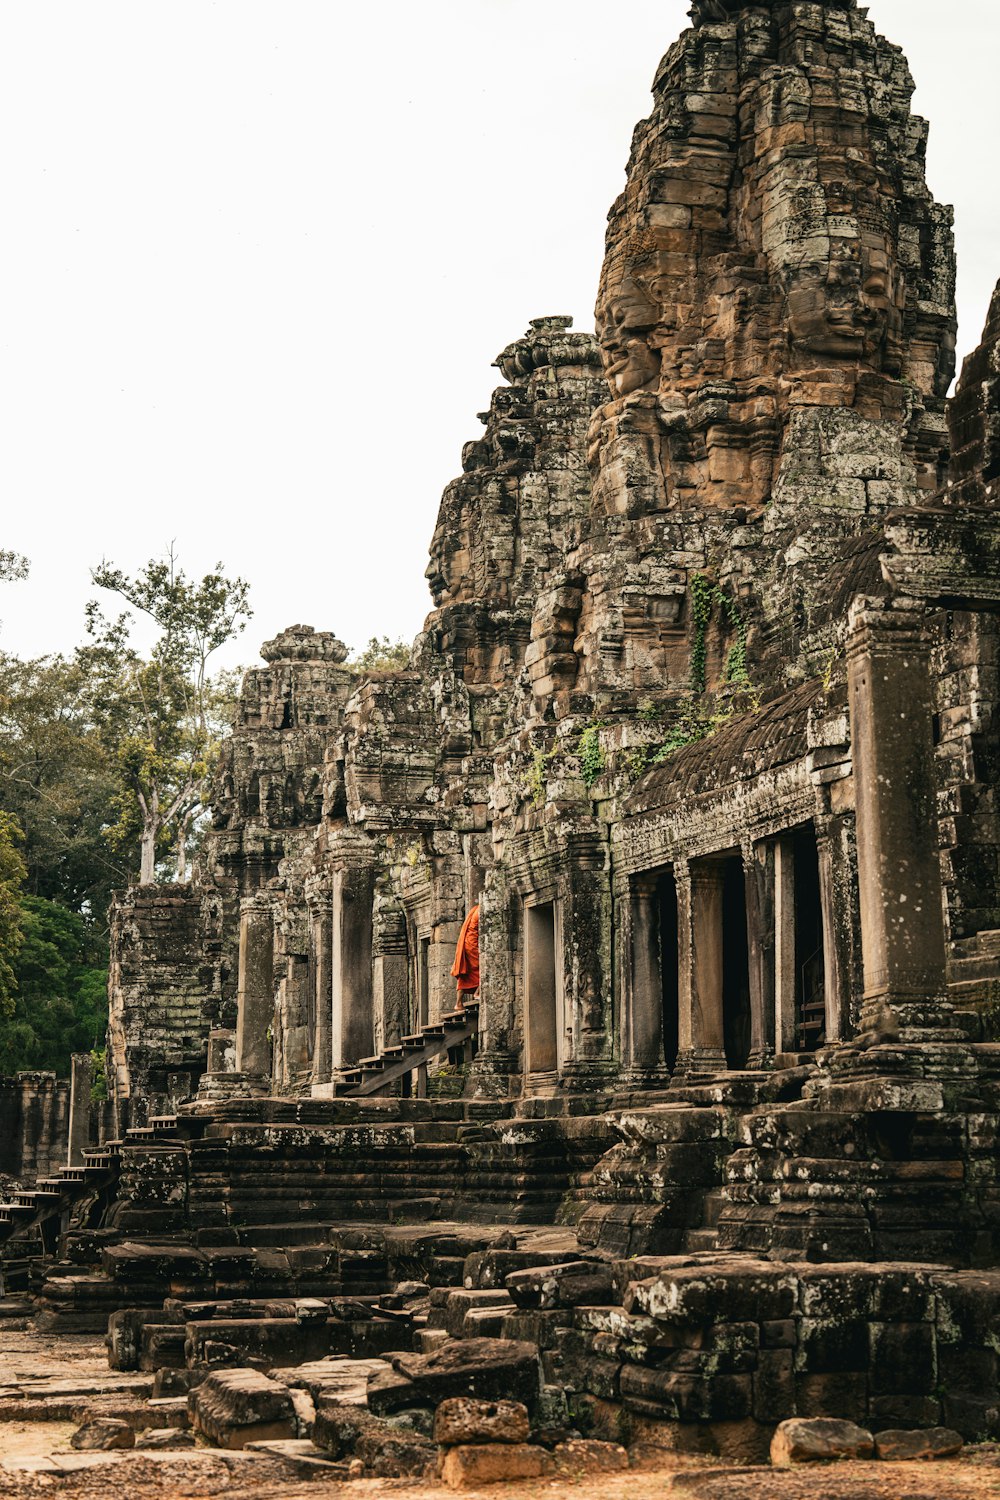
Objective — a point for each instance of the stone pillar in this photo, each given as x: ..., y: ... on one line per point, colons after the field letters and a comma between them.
x: 785, y: 1007
x: 390, y: 977
x: 891, y: 699
x: 702, y: 1039
x: 322, y: 941
x: 81, y: 1077
x: 352, y: 1032
x: 642, y: 1009
x: 255, y: 996
x: 836, y: 908
x: 758, y: 871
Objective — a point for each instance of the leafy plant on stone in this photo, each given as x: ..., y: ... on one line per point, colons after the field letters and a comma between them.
x: 591, y: 754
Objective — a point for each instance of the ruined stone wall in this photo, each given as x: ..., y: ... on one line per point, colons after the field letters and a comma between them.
x: 166, y: 980
x: 34, y: 1125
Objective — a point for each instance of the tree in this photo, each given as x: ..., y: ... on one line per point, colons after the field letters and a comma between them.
x: 160, y: 716
x: 381, y: 656
x: 12, y: 873
x: 12, y: 565
x: 56, y: 780
x: 61, y: 1003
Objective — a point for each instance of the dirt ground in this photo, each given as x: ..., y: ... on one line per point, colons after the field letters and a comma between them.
x: 36, y: 1458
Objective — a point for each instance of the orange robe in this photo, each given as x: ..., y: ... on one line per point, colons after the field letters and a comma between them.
x: 465, y: 969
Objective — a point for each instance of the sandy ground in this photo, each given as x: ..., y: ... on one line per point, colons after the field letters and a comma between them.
x: 36, y: 1459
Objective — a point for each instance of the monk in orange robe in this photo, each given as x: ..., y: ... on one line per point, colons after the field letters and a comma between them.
x: 465, y: 969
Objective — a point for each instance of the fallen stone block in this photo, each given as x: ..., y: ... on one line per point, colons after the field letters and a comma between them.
x: 124, y: 1335
x: 463, y: 1419
x: 153, y: 1438
x: 491, y: 1369
x: 819, y: 1440
x: 103, y: 1434
x: 900, y: 1446
x: 589, y: 1456
x: 346, y: 1380
x: 235, y: 1407
x: 570, y: 1285
x: 386, y: 1450
x: 468, y: 1466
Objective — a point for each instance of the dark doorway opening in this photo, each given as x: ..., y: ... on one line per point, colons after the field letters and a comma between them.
x: 735, y: 966
x: 666, y: 900
x: 541, y: 994
x: 422, y: 999
x: 810, y: 967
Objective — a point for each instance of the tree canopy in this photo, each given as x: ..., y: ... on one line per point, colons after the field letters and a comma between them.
x: 160, y: 715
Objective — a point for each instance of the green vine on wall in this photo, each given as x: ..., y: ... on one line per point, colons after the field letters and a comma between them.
x: 591, y: 754
x: 694, y: 721
x: 706, y: 595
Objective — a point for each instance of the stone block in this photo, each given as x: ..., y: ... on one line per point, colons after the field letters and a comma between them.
x: 154, y: 1438
x: 898, y: 1445
x: 903, y: 1359
x: 234, y: 1407
x: 102, y: 1434
x: 819, y: 1440
x: 490, y: 1369
x: 468, y: 1466
x: 686, y: 1398
x: 462, y: 1419
x: 586, y: 1456
x: 568, y: 1285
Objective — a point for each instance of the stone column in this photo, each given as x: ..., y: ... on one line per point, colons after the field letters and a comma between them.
x: 81, y: 1077
x: 322, y: 942
x: 700, y: 936
x: 785, y: 1007
x: 902, y: 924
x: 836, y: 908
x: 255, y: 997
x: 758, y: 871
x: 642, y: 1042
x: 352, y: 1031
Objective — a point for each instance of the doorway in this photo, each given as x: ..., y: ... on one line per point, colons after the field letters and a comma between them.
x: 810, y: 966
x: 666, y: 906
x: 735, y: 966
x: 542, y: 1022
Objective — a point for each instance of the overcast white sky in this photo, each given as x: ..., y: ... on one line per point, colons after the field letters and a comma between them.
x: 259, y: 257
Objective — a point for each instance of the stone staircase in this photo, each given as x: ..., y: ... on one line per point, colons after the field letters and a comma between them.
x: 974, y: 971
x: 51, y: 1201
x: 398, y: 1063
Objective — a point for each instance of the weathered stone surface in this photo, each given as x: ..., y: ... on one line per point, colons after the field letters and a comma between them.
x: 589, y: 1456
x: 900, y: 1446
x: 103, y: 1433
x: 152, y: 1438
x: 234, y: 1407
x: 466, y: 1467
x: 463, y: 1419
x: 489, y: 1369
x: 819, y: 1439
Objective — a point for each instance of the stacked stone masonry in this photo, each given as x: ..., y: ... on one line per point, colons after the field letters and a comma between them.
x: 704, y: 717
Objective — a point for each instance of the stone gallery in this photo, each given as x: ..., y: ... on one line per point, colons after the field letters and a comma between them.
x: 703, y: 721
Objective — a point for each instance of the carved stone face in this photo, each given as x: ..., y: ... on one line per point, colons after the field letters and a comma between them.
x: 841, y: 308
x: 626, y: 314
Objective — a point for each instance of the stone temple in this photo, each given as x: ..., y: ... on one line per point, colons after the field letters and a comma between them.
x: 705, y: 718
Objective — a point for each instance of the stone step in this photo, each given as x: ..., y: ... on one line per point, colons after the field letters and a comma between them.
x: 980, y: 966
x: 696, y: 1241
